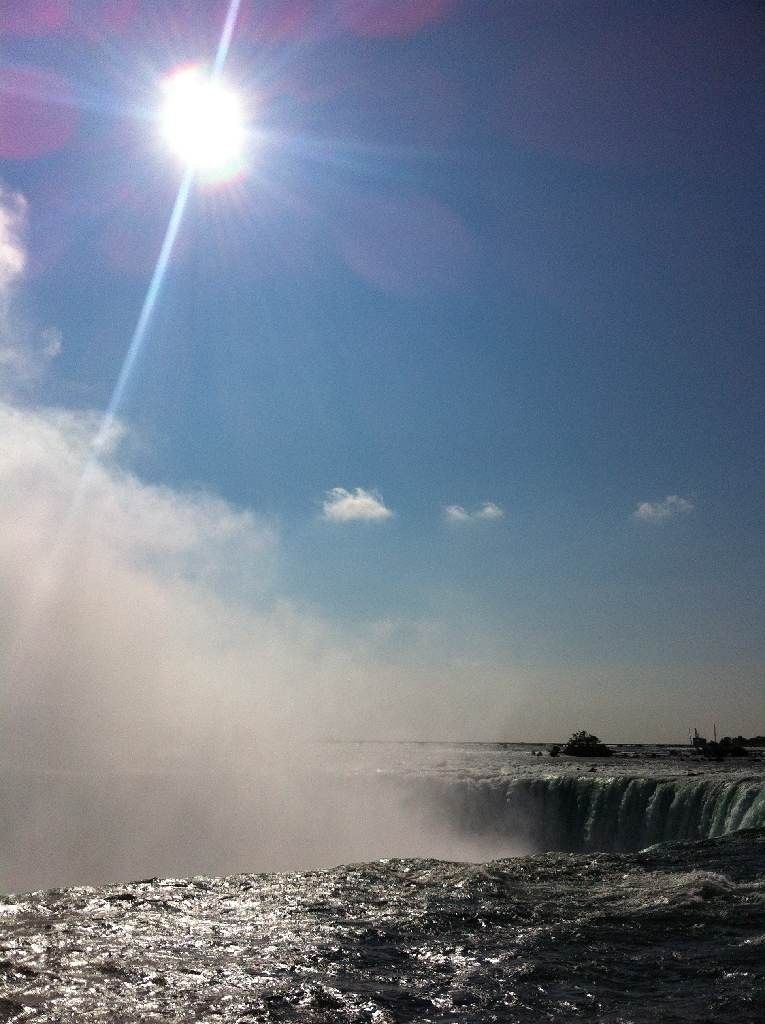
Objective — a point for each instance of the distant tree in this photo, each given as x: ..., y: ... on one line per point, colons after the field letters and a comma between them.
x: 555, y: 750
x: 585, y: 744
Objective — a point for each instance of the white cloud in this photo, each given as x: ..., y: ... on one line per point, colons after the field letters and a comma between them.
x: 488, y: 510
x: 660, y: 511
x: 342, y: 506
x: 22, y: 363
x: 12, y: 252
x: 66, y: 491
x: 456, y: 514
x: 24, y: 352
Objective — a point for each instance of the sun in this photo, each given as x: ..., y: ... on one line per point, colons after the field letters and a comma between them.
x: 202, y: 121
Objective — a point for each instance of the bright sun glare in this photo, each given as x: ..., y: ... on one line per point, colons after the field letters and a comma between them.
x: 203, y: 123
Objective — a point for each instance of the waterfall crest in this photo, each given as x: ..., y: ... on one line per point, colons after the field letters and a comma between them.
x: 589, y: 813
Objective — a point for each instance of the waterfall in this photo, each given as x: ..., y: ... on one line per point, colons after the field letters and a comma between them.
x: 587, y: 813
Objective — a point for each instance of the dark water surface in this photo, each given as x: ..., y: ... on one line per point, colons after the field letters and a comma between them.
x: 675, y: 933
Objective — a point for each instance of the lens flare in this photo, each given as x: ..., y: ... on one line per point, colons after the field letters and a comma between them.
x: 203, y: 123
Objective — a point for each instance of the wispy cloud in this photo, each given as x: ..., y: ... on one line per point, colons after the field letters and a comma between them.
x: 12, y: 252
x: 660, y: 511
x: 488, y: 510
x: 342, y: 506
x: 24, y: 351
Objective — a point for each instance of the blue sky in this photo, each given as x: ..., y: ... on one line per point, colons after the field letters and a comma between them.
x: 481, y: 253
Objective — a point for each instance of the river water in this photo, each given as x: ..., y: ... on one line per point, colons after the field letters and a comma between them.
x: 627, y: 890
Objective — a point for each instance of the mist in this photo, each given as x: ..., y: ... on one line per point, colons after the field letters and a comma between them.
x: 165, y: 710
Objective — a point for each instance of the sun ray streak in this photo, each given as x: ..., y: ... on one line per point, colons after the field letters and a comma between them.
x: 225, y: 37
x: 107, y: 425
x: 149, y: 302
